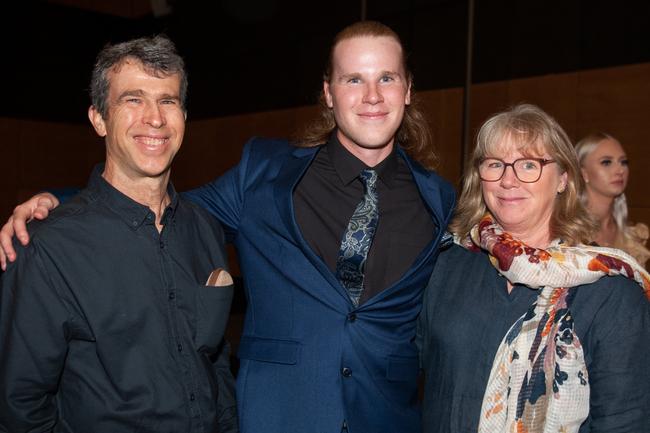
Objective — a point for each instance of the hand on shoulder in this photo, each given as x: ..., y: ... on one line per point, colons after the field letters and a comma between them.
x: 37, y: 207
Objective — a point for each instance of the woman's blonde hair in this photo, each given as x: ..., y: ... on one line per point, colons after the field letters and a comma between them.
x: 536, y: 133
x: 583, y: 148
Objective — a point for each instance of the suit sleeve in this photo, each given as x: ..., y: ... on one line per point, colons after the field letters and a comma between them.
x: 619, y: 377
x: 33, y: 344
x: 224, y: 196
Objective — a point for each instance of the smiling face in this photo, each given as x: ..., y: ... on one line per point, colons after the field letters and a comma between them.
x: 605, y: 169
x: 368, y: 91
x: 145, y: 123
x: 524, y: 209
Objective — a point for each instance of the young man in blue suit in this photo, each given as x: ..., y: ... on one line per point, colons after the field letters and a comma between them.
x: 316, y: 355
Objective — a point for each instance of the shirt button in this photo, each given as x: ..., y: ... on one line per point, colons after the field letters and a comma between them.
x: 172, y: 296
x: 179, y: 347
x: 346, y: 372
x: 352, y: 317
x: 192, y: 397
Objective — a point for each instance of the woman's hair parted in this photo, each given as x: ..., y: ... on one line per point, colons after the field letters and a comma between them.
x: 536, y: 133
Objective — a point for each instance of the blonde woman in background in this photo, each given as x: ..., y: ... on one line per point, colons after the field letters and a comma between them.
x: 604, y: 167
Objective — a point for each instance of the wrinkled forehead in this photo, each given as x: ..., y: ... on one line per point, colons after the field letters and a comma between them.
x: 508, y: 141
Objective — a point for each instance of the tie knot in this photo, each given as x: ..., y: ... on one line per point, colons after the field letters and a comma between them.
x: 368, y: 177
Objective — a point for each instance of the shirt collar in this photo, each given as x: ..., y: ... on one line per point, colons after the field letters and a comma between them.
x: 131, y: 212
x: 348, y: 166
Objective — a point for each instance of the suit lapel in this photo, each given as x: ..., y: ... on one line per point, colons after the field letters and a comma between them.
x: 291, y: 173
x: 289, y: 176
x: 432, y: 197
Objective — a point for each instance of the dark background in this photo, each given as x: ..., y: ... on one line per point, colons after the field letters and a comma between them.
x: 256, y: 55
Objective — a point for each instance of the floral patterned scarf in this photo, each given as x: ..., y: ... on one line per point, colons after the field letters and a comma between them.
x: 539, y: 381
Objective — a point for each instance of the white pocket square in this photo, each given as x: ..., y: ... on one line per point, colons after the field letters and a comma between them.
x: 219, y: 278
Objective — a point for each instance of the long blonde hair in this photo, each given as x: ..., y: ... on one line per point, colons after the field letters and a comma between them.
x: 413, y: 134
x: 533, y: 130
x: 583, y: 148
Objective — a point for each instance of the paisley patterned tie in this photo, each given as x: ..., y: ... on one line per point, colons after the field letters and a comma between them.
x: 358, y: 238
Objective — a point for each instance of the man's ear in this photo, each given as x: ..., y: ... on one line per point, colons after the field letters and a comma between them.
x: 97, y: 121
x: 327, y: 94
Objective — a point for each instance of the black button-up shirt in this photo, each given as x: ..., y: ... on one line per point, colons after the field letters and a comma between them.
x: 330, y: 191
x: 106, y: 325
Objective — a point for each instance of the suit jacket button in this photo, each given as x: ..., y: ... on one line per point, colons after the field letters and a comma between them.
x: 346, y: 372
x: 352, y: 317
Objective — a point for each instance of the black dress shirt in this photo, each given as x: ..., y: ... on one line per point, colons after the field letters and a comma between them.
x: 327, y: 196
x: 106, y: 325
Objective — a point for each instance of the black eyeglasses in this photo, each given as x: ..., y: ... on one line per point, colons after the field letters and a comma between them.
x: 527, y: 170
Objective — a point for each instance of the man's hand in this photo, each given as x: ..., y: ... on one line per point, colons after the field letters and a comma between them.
x: 37, y: 207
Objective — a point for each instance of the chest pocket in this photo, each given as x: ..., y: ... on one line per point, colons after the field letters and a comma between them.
x: 213, y: 309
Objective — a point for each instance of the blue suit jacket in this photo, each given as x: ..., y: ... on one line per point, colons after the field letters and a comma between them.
x: 309, y: 359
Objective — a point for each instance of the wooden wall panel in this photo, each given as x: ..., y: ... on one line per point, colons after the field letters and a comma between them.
x: 555, y: 94
x: 56, y: 155
x: 212, y: 146
x: 36, y: 155
x: 486, y: 99
x: 614, y: 100
x: 443, y: 109
x: 202, y: 156
x: 640, y: 214
x: 617, y: 101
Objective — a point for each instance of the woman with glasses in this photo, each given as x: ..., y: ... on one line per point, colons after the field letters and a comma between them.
x: 524, y: 327
x: 605, y: 170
